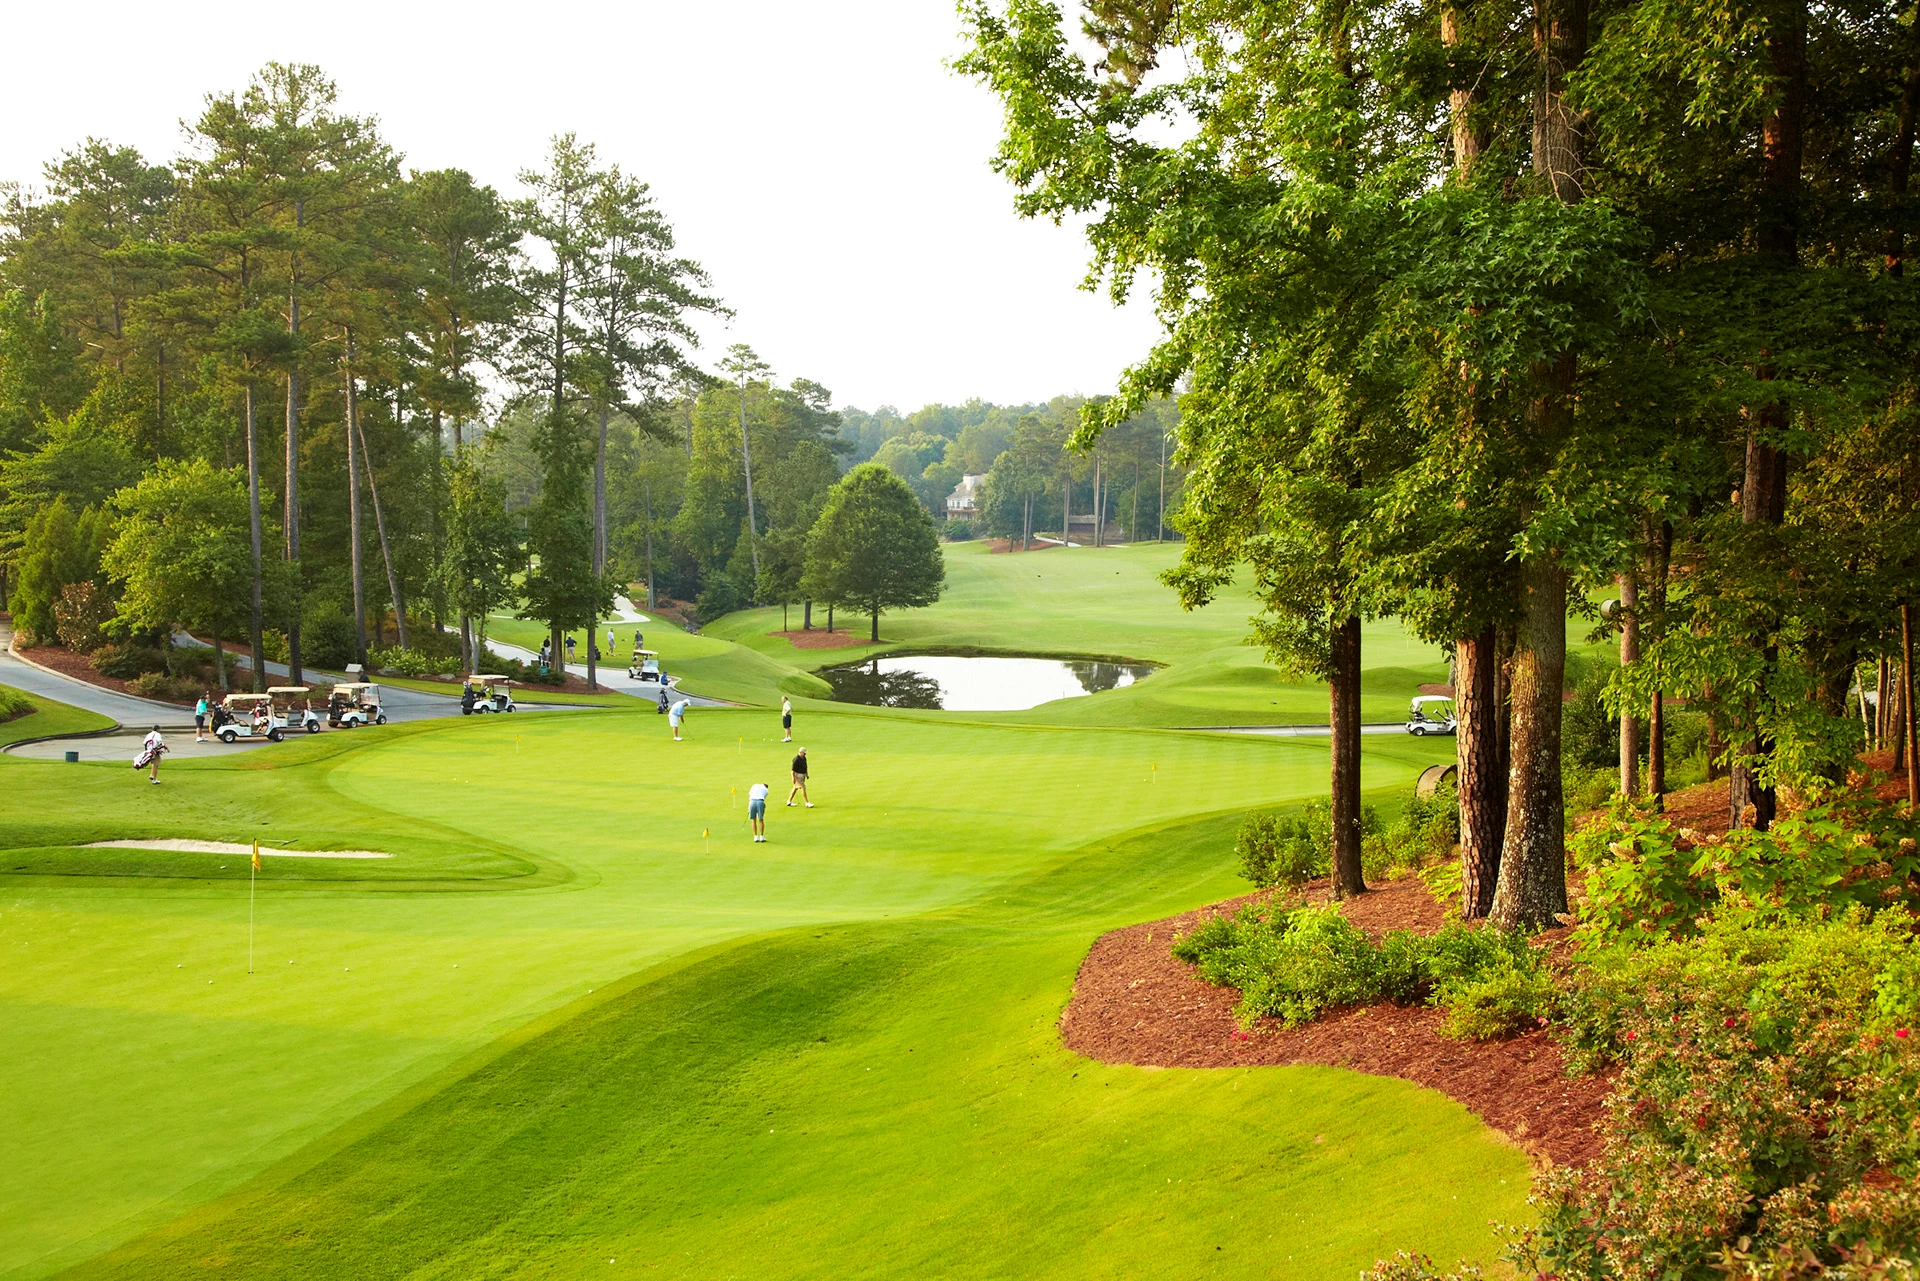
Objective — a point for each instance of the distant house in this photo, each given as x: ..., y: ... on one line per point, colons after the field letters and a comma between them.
x: 964, y: 502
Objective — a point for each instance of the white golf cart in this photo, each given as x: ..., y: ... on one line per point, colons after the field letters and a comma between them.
x: 292, y: 708
x: 487, y: 694
x: 355, y: 704
x: 645, y: 666
x: 241, y: 716
x: 1431, y: 714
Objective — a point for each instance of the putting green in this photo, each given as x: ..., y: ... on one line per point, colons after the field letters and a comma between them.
x: 554, y: 1029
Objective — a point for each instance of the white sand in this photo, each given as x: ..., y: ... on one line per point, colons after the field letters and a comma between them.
x: 227, y: 847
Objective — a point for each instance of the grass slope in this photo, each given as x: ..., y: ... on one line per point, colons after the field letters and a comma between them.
x: 882, y: 1099
x: 47, y: 719
x: 147, y: 1073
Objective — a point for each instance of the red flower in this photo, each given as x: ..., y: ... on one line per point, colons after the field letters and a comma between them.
x: 1633, y: 1036
x: 1729, y: 1022
x: 1901, y: 1033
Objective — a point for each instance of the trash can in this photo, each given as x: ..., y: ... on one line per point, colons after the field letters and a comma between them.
x: 73, y: 758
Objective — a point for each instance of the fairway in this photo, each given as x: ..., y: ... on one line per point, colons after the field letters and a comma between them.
x: 578, y: 1017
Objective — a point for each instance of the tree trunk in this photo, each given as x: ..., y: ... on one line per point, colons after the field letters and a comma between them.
x: 746, y: 462
x: 292, y: 496
x: 220, y: 660
x: 829, y: 618
x: 1881, y: 691
x: 467, y: 656
x: 875, y: 638
x: 1099, y: 508
x: 1532, y: 888
x: 1662, y: 560
x: 1470, y: 136
x: 1897, y: 715
x: 806, y: 616
x: 1503, y: 708
x: 1066, y: 511
x: 1343, y: 727
x: 1912, y: 737
x: 1629, y: 655
x: 394, y: 591
x: 647, y: 484
x: 353, y: 512
x: 257, y: 623
x: 1482, y: 784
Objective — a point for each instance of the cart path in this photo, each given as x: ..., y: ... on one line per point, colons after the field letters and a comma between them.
x: 22, y: 673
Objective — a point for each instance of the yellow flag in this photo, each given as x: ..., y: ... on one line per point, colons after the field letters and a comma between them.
x: 256, y: 856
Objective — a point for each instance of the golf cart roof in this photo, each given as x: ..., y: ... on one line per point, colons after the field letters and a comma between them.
x: 1433, y: 698
x: 353, y: 687
x: 495, y: 679
x: 647, y: 653
x: 288, y: 689
x: 247, y: 698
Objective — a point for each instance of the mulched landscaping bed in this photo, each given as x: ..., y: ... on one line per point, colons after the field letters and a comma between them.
x: 1134, y: 1003
x: 63, y: 660
x: 820, y: 638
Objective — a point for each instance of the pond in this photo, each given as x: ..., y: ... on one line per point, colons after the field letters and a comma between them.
x: 958, y: 683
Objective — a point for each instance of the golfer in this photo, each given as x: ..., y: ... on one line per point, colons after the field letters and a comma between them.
x: 675, y: 716
x: 613, y: 646
x: 757, y: 810
x: 570, y: 648
x: 786, y: 718
x: 200, y: 717
x: 800, y: 779
x: 152, y: 748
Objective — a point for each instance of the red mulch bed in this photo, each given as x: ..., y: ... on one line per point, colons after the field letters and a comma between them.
x: 67, y: 663
x: 1134, y: 1003
x: 819, y: 638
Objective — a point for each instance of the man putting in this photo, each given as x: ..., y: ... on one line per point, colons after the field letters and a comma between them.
x: 800, y: 779
x: 757, y: 811
x: 675, y: 716
x: 786, y: 718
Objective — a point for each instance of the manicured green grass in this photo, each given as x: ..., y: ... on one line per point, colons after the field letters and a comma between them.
x: 150, y: 1073
x: 47, y: 719
x: 533, y: 694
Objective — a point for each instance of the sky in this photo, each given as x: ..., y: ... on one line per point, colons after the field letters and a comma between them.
x: 817, y: 157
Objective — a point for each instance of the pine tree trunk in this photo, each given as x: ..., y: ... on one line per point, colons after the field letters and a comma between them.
x: 219, y: 660
x: 746, y: 462
x: 1661, y: 565
x: 1629, y: 655
x: 1482, y: 783
x: 292, y: 496
x: 1343, y: 727
x: 1912, y: 736
x: 257, y: 623
x: 394, y: 591
x: 353, y: 512
x: 1532, y: 888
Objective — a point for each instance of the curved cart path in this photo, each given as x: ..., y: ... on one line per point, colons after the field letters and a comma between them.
x: 22, y: 673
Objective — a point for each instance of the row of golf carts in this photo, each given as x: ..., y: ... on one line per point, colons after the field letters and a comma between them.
x: 287, y: 709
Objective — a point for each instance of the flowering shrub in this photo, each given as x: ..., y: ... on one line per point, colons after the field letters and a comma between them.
x: 1647, y: 880
x: 404, y: 662
x: 1768, y: 1103
x: 80, y: 613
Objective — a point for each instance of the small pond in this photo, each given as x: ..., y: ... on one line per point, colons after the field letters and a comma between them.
x: 959, y: 683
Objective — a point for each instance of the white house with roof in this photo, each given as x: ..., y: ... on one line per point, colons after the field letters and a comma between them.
x: 964, y: 502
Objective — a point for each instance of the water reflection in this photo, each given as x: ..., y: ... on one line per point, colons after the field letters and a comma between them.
x: 968, y: 684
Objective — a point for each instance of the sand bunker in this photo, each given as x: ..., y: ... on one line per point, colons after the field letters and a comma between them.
x: 227, y: 847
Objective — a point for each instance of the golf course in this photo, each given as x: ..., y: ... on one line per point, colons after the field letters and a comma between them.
x: 578, y: 1025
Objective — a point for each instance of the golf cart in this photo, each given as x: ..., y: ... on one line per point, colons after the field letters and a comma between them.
x: 354, y: 705
x: 292, y: 708
x: 487, y: 694
x: 241, y: 716
x: 1431, y: 714
x: 645, y: 666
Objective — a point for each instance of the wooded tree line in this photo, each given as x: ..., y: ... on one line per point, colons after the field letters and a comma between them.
x: 1482, y: 308
x: 379, y: 405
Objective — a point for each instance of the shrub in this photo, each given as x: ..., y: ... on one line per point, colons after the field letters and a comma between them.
x: 1768, y: 1102
x: 124, y: 662
x: 13, y: 703
x: 1291, y: 964
x: 166, y: 688
x: 719, y: 597
x: 273, y: 643
x: 959, y: 530
x: 79, y: 615
x: 1287, y: 851
x: 403, y: 662
x: 328, y: 639
x: 1647, y: 880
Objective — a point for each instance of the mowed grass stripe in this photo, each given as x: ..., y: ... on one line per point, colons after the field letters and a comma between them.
x: 887, y: 1098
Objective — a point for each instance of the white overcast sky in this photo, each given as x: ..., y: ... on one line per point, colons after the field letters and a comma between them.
x: 816, y: 156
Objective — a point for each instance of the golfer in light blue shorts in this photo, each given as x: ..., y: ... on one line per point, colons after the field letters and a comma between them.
x: 757, y: 811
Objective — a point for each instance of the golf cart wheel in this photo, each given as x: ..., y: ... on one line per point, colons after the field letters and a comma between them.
x: 274, y: 736
x: 512, y: 708
x: 313, y: 727
x: 382, y: 719
x: 227, y: 736
x: 1419, y: 731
